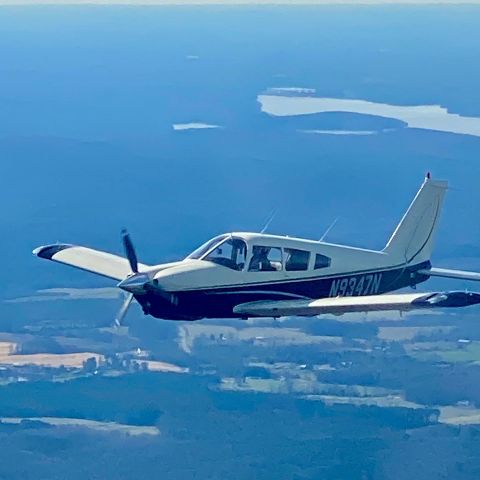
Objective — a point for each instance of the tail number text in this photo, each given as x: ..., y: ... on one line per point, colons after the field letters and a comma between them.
x: 356, y: 286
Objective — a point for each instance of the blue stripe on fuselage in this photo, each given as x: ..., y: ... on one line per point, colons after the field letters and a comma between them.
x: 218, y: 302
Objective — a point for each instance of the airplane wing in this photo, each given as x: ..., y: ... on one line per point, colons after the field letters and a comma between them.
x: 447, y: 273
x: 340, y: 305
x: 95, y: 261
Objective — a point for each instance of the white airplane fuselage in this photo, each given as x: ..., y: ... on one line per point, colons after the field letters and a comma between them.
x: 200, y: 288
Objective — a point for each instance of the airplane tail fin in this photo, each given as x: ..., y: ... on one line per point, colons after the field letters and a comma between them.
x: 412, y: 240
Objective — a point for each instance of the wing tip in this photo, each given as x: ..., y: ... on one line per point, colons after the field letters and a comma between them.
x: 442, y: 184
x: 48, y: 251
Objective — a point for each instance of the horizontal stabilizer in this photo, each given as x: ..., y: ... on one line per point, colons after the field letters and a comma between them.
x: 340, y: 305
x: 95, y: 261
x: 447, y: 273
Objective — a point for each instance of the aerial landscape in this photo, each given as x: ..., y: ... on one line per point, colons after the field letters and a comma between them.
x: 180, y: 123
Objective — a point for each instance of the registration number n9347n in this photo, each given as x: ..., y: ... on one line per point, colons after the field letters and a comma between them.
x: 358, y: 285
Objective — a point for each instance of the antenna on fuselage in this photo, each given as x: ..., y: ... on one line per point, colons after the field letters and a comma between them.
x: 269, y: 221
x: 327, y: 231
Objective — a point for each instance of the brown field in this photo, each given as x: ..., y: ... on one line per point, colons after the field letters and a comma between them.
x: 8, y: 357
x: 68, y: 360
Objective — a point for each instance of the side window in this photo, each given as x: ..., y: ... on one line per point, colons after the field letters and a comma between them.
x: 265, y: 259
x: 296, y: 260
x: 321, y: 261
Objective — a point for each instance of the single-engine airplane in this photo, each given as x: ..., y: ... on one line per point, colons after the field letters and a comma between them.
x: 242, y: 275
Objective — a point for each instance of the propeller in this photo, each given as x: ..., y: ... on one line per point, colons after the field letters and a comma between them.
x: 123, y: 310
x: 136, y: 282
x: 130, y: 251
x: 133, y: 262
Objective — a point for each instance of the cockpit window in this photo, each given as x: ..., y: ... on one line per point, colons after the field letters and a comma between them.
x: 265, y: 259
x: 202, y: 250
x: 321, y: 261
x: 296, y: 260
x: 230, y: 253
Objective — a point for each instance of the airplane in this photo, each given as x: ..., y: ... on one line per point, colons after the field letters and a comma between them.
x: 244, y: 274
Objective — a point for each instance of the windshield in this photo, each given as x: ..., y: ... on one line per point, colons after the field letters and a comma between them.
x: 230, y: 253
x: 202, y: 250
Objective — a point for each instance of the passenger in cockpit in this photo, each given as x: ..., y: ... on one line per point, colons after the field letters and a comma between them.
x: 260, y: 261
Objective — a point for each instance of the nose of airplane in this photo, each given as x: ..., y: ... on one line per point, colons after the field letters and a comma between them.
x: 134, y: 283
x: 194, y: 274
